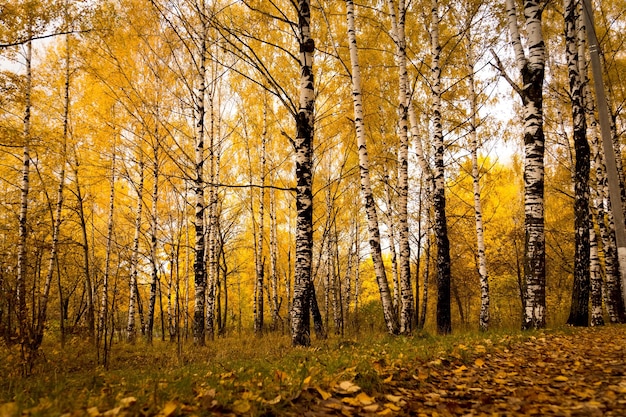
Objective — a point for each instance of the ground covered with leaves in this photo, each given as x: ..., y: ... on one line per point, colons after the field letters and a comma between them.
x: 578, y: 372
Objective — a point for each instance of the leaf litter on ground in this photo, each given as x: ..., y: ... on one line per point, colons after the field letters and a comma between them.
x: 568, y: 372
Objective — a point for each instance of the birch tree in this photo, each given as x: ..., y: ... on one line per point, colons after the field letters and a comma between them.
x: 300, y: 321
x: 366, y: 188
x: 579, y: 312
x: 398, y: 18
x: 532, y: 69
x: 444, y: 317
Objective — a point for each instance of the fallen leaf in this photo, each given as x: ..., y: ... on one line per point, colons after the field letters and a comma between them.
x: 168, y: 409
x: 346, y: 388
x: 479, y: 362
x: 325, y: 395
x: 365, y: 399
x: 393, y: 398
x: 561, y: 378
x: 307, y: 380
x: 372, y: 408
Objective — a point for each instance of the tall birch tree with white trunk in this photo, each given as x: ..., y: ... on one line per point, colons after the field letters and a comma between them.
x: 579, y: 311
x: 398, y: 18
x: 303, y: 285
x: 444, y: 316
x: 532, y: 69
x: 390, y: 317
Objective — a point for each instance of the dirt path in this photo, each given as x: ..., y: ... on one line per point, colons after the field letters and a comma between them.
x: 579, y: 374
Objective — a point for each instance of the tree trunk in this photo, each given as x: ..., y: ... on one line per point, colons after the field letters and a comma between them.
x: 481, y: 258
x: 104, y: 300
x: 444, y: 317
x: 259, y: 258
x: 390, y: 317
x: 392, y: 248
x: 154, y: 263
x: 131, y: 331
x: 300, y: 319
x: 579, y: 311
x: 406, y: 291
x: 199, y: 266
x: 22, y: 266
x: 532, y: 71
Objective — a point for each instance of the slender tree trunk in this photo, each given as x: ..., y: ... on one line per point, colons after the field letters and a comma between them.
x: 276, y: 321
x: 406, y: 291
x: 391, y: 320
x: 444, y: 317
x: 260, y: 259
x: 579, y: 311
x: 199, y: 266
x: 154, y: 218
x: 303, y: 286
x: 22, y: 266
x: 86, y: 260
x: 532, y: 71
x: 392, y: 248
x: 104, y: 300
x: 131, y: 331
x: 481, y: 258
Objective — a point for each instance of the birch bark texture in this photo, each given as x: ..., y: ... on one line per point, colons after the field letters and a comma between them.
x: 398, y: 18
x: 444, y: 316
x: 303, y: 286
x: 390, y: 317
x: 532, y: 70
x: 579, y: 311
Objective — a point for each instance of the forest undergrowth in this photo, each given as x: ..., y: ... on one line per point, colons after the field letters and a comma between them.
x: 564, y: 371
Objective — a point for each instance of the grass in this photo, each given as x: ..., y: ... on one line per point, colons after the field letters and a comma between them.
x: 225, y: 374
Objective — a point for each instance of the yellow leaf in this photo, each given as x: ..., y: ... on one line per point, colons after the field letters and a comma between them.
x: 307, y: 380
x: 392, y: 407
x: 561, y: 378
x: 384, y: 412
x: 388, y: 379
x: 372, y: 408
x: 325, y: 395
x: 168, y: 409
x: 460, y: 369
x: 393, y: 398
x: 241, y: 406
x: 351, y: 401
x: 128, y: 402
x: 365, y: 399
x: 479, y: 362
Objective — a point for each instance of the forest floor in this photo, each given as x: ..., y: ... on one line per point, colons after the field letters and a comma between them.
x: 562, y: 372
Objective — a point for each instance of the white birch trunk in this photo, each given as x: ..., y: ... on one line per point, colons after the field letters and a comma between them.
x: 444, y: 318
x: 22, y: 269
x: 104, y: 296
x: 131, y: 331
x: 391, y: 320
x: 303, y: 286
x: 398, y: 35
x: 483, y: 321
x: 579, y: 311
x: 532, y: 72
x: 199, y: 246
x: 154, y: 263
